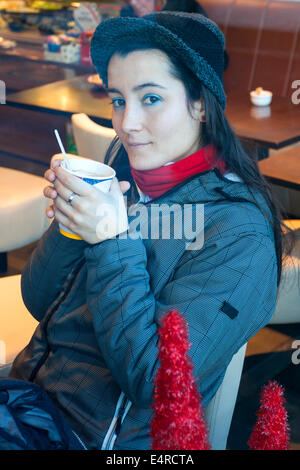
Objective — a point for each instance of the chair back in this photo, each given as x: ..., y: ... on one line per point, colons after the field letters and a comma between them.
x: 91, y: 139
x: 287, y: 309
x: 219, y: 412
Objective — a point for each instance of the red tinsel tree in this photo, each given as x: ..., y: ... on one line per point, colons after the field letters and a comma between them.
x: 271, y: 431
x: 178, y: 422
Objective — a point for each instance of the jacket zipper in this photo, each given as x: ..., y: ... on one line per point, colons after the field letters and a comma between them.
x: 83, y: 445
x: 122, y: 408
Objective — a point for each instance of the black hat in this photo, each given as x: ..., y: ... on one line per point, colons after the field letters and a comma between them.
x: 191, y: 37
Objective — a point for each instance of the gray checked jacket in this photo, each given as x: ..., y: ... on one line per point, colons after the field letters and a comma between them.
x: 99, y: 307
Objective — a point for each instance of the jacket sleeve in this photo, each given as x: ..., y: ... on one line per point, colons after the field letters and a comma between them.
x: 226, y: 292
x: 47, y: 269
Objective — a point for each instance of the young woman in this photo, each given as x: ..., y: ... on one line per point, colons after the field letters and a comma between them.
x: 99, y: 301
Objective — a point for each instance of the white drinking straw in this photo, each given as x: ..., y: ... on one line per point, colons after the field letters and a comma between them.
x: 62, y: 148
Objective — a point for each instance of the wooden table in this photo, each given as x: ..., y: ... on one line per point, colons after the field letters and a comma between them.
x: 66, y: 97
x: 283, y: 168
x: 275, y: 126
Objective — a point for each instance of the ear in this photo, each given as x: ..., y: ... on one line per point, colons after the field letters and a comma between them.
x: 199, y: 110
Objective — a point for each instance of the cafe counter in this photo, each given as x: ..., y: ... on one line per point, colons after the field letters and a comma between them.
x: 24, y: 66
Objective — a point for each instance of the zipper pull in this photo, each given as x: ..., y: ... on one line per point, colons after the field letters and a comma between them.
x: 119, y: 418
x: 118, y: 425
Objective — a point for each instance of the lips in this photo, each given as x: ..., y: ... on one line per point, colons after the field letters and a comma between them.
x: 137, y: 144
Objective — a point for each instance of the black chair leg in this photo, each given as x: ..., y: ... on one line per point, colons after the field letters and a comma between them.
x: 262, y: 153
x: 3, y: 262
x: 257, y: 151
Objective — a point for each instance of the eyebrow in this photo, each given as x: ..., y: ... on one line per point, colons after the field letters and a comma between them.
x: 137, y: 88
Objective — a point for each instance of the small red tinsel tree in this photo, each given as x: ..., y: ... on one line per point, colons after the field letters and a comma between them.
x: 271, y: 431
x: 178, y: 422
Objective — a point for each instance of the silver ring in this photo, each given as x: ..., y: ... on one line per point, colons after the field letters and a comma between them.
x: 71, y: 197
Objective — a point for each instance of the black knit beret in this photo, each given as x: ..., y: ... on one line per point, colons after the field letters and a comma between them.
x: 191, y: 37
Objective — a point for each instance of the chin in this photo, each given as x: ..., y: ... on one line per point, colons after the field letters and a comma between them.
x: 144, y: 160
x: 138, y: 164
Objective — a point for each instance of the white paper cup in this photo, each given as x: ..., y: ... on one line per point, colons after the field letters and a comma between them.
x: 264, y: 98
x: 95, y: 173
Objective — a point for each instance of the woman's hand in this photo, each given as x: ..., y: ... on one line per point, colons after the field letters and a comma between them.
x: 50, y: 176
x: 93, y: 214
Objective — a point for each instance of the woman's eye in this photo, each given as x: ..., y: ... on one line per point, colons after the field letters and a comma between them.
x: 148, y: 100
x: 117, y: 102
x: 151, y: 99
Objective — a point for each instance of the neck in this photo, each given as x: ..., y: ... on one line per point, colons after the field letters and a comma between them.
x: 197, y: 146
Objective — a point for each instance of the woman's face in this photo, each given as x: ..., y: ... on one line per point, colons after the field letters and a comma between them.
x: 150, y: 113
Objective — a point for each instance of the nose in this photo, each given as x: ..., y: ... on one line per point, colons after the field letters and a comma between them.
x: 131, y: 119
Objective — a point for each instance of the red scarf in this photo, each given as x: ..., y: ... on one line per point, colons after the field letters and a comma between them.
x: 156, y: 182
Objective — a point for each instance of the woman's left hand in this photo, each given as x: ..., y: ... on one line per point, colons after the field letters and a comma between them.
x: 92, y: 214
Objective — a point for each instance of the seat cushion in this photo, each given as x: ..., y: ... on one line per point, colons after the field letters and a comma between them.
x: 16, y: 323
x: 22, y: 208
x: 218, y: 413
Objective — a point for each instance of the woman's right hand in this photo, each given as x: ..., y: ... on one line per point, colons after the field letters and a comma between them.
x: 49, y: 175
